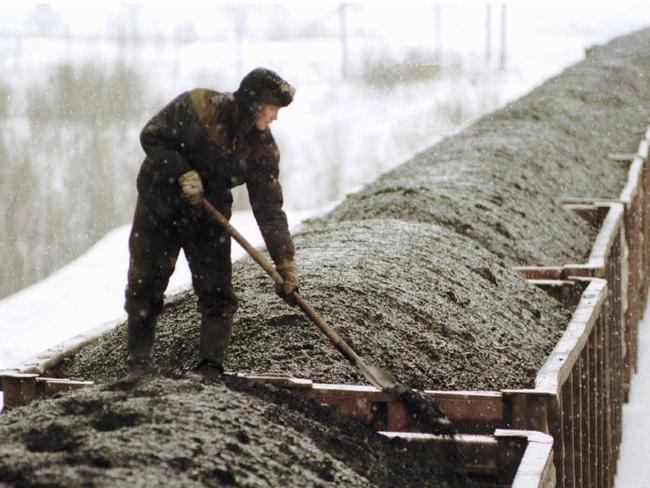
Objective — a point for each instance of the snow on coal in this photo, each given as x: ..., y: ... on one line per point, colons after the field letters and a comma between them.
x: 428, y: 305
x: 180, y: 433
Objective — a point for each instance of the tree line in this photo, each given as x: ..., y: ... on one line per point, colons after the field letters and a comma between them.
x: 68, y: 161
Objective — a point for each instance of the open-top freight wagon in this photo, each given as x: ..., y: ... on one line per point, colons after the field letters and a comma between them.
x: 565, y: 431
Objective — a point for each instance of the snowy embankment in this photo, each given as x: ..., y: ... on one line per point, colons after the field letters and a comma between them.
x: 632, y: 472
x: 89, y: 292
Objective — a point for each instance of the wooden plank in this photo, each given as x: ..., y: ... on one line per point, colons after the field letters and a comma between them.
x: 629, y: 284
x: 609, y: 407
x: 610, y: 218
x: 585, y: 200
x: 639, y: 296
x: 540, y: 272
x: 527, y: 409
x: 633, y: 183
x: 585, y: 210
x: 615, y: 330
x: 473, y: 412
x: 536, y: 469
x: 602, y: 433
x: 576, y: 394
x: 52, y: 357
x: 621, y: 157
x: 585, y: 436
x: 645, y: 225
x: 643, y: 145
x: 478, y: 412
x: 478, y: 451
x: 608, y: 234
x: 556, y: 430
x: 50, y: 386
x: 557, y: 367
x: 284, y: 381
x: 509, y: 457
x: 594, y: 438
x: 568, y: 434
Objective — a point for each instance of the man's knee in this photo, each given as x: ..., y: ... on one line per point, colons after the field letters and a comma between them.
x: 148, y: 277
x: 143, y: 303
x: 221, y: 302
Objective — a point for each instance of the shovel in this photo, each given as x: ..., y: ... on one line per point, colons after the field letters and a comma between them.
x: 376, y: 376
x: 424, y: 408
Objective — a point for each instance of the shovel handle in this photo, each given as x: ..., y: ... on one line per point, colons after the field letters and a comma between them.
x: 331, y: 334
x: 254, y: 253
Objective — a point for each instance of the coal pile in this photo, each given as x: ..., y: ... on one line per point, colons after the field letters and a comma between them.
x: 499, y: 181
x: 429, y: 306
x: 414, y: 270
x: 181, y: 433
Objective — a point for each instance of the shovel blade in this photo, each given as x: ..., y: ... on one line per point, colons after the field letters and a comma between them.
x: 378, y: 377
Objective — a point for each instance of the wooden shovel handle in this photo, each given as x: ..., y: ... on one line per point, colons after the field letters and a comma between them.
x: 331, y: 334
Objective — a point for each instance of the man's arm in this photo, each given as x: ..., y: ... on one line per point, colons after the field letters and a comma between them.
x: 160, y: 139
x: 265, y: 194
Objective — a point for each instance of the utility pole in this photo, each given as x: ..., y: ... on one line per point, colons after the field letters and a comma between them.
x: 68, y: 45
x: 18, y: 52
x: 502, y: 57
x: 240, y: 27
x: 438, y: 34
x: 488, y: 33
x: 343, y: 33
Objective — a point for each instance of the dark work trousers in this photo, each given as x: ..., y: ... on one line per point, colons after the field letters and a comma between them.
x: 157, y: 235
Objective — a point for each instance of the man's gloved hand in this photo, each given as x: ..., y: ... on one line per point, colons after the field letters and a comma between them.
x: 192, y: 187
x: 289, y: 272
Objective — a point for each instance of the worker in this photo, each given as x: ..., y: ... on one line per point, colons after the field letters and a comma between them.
x: 202, y: 144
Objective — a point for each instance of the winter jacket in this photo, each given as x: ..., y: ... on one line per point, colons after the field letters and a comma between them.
x: 201, y: 130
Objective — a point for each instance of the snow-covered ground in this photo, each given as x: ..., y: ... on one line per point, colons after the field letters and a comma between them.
x: 633, y: 466
x: 90, y: 291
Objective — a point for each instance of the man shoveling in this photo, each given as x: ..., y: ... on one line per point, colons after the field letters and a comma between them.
x: 202, y: 144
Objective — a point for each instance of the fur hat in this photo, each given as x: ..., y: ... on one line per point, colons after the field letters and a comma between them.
x: 261, y: 86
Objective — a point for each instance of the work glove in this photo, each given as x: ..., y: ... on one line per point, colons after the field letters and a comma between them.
x: 289, y: 273
x: 192, y: 187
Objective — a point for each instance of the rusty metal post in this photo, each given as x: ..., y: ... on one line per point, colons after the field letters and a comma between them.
x: 568, y: 434
x: 607, y: 392
x: 585, y: 385
x: 397, y: 418
x: 556, y: 428
x: 634, y: 283
x: 594, y: 438
x: 600, y: 411
x: 578, y: 455
x: 643, y: 154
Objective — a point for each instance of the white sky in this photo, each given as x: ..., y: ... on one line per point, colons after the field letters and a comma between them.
x: 94, y: 16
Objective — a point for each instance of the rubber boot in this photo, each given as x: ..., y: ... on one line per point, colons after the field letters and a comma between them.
x: 214, y: 340
x: 141, y: 334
